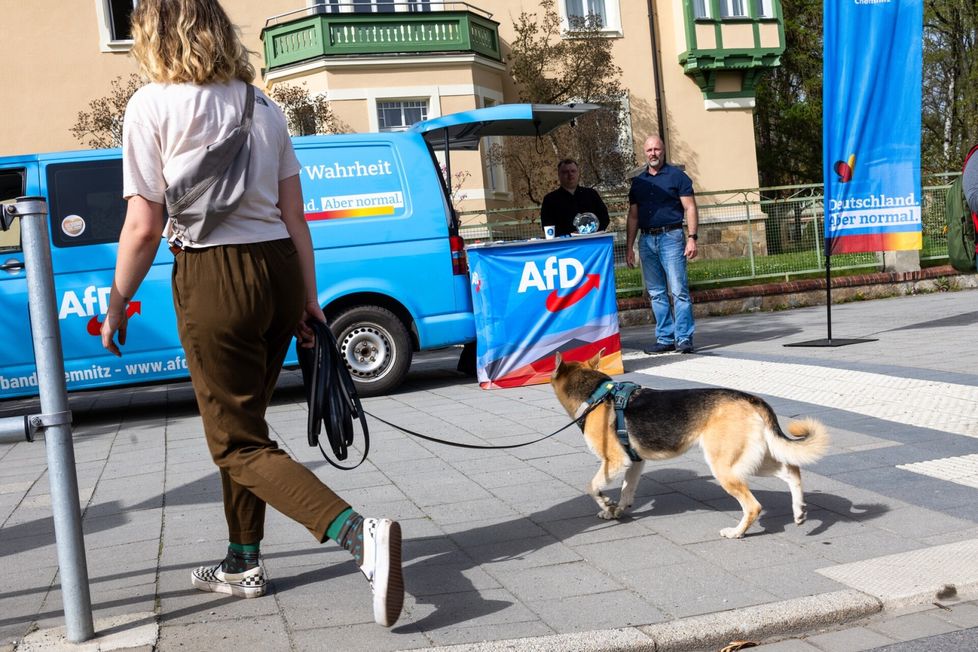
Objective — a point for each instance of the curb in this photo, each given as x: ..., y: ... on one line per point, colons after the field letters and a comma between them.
x: 795, y: 616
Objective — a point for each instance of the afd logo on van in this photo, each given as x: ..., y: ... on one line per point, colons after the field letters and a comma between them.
x: 91, y: 302
x: 565, y: 279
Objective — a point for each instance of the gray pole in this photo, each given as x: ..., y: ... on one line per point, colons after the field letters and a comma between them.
x: 56, y: 417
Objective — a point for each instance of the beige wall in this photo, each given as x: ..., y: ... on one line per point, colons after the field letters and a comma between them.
x: 716, y: 146
x: 55, y: 68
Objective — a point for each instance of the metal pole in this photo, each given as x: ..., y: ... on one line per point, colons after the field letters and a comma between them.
x: 828, y: 293
x: 750, y: 242
x: 54, y: 407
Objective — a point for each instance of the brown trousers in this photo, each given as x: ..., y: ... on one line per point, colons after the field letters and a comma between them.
x: 237, y: 307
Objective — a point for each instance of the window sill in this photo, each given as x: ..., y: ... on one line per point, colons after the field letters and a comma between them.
x: 607, y: 32
x: 116, y: 46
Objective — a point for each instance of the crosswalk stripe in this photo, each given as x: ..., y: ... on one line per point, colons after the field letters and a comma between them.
x: 922, y: 403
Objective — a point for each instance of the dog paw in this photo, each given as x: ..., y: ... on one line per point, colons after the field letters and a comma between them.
x: 607, y: 515
x: 801, y: 514
x: 731, y: 533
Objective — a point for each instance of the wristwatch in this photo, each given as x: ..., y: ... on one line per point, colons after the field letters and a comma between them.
x: 693, y: 236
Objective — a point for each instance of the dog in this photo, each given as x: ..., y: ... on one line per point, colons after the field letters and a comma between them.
x: 738, y: 432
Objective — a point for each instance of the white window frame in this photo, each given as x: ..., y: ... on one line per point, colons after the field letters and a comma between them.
x: 612, y: 13
x: 495, y: 175
x: 729, y: 7
x: 401, y: 101
x: 764, y: 8
x: 107, y: 40
x: 350, y: 6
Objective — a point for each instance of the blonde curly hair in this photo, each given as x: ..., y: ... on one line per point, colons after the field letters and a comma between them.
x: 188, y: 41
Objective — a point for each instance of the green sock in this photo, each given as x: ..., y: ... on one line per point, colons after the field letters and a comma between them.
x: 347, y: 530
x: 242, y: 548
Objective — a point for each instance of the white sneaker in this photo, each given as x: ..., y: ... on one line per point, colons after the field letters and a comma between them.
x: 382, y: 567
x: 249, y: 584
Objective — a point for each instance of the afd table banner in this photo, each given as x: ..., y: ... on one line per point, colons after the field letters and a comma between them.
x: 532, y: 299
x: 871, y: 125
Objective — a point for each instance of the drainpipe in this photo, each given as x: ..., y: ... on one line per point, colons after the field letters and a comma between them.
x: 657, y: 75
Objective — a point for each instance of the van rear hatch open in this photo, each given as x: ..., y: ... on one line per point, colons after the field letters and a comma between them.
x: 464, y: 129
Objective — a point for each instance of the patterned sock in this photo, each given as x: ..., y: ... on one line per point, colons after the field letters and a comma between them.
x: 347, y: 530
x: 240, y: 558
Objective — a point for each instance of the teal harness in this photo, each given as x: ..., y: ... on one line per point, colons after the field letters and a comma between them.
x: 619, y: 394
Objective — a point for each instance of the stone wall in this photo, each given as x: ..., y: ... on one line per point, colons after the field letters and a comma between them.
x: 730, y: 232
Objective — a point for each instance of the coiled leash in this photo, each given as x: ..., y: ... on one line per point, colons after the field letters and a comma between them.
x: 332, y: 396
x: 334, y: 403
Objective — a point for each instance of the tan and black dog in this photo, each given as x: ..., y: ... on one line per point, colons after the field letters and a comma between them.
x: 738, y: 432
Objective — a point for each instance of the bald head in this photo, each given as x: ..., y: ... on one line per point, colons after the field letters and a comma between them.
x: 654, y: 152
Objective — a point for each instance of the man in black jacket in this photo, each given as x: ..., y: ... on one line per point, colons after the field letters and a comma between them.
x: 563, y: 204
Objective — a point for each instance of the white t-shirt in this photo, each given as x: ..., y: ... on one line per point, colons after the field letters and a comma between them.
x: 166, y: 124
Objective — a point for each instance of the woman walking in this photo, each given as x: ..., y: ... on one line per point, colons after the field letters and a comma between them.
x: 240, y: 292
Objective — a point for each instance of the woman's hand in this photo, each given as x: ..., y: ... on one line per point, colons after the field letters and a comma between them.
x: 303, y: 333
x: 114, y: 323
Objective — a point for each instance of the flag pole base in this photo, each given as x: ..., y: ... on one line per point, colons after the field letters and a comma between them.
x: 831, y: 342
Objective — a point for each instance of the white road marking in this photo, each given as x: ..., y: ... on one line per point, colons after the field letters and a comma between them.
x: 962, y: 470
x: 921, y: 403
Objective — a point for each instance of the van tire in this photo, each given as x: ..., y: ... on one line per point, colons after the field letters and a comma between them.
x: 376, y: 347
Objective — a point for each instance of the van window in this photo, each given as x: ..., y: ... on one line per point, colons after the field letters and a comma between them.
x: 85, y: 202
x: 11, y: 187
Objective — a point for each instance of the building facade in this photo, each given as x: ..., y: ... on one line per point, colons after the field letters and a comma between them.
x: 689, y: 68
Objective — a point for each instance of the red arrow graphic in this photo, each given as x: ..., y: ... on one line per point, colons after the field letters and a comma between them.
x: 555, y: 302
x: 95, y: 326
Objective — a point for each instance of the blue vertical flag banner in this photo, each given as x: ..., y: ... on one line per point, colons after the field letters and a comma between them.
x: 871, y: 125
x: 533, y: 299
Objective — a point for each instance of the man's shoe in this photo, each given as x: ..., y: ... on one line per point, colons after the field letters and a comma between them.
x: 249, y: 584
x: 382, y: 567
x: 658, y: 348
x: 685, y: 347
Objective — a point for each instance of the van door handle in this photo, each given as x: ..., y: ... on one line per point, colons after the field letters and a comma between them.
x: 12, y: 265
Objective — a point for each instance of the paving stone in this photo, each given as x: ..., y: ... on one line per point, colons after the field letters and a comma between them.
x: 912, y: 626
x: 853, y: 639
x: 269, y: 632
x: 596, y: 611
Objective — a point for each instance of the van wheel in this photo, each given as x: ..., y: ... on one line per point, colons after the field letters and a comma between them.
x: 376, y: 347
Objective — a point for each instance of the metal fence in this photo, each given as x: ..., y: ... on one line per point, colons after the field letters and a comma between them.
x: 745, y: 236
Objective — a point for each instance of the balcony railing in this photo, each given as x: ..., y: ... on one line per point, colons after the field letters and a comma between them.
x: 297, y: 36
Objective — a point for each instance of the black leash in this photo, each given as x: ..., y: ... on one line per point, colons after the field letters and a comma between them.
x: 579, y: 420
x: 332, y: 396
x: 334, y: 403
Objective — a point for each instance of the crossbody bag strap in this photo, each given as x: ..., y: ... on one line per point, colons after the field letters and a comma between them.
x: 222, y: 164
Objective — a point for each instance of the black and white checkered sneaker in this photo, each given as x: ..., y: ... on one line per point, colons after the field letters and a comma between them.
x: 249, y: 584
x: 382, y: 567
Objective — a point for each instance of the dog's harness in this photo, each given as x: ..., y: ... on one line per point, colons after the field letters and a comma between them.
x: 619, y: 394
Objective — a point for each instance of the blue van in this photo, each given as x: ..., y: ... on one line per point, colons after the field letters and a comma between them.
x: 391, y: 267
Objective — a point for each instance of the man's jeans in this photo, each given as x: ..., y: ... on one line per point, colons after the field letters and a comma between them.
x: 664, y: 269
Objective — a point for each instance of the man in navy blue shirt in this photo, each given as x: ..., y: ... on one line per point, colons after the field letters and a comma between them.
x: 660, y: 197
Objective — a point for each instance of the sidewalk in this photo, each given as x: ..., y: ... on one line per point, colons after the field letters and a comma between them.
x: 502, y: 548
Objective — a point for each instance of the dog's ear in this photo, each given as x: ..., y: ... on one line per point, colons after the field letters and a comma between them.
x: 595, y: 362
x: 558, y: 360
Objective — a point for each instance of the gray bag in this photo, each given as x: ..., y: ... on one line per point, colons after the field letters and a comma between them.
x: 213, y: 185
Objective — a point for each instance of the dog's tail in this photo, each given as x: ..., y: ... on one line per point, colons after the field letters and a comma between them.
x: 808, y: 442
